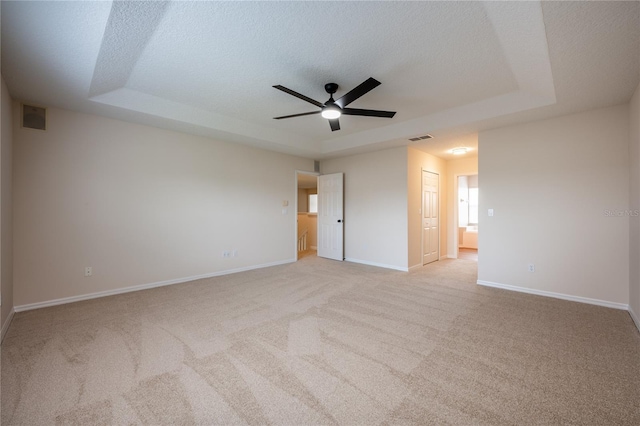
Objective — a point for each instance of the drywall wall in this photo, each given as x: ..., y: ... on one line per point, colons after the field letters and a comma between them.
x: 418, y: 161
x: 303, y: 201
x: 6, y: 205
x: 375, y: 206
x: 559, y: 189
x: 459, y: 167
x: 141, y: 205
x: 634, y: 204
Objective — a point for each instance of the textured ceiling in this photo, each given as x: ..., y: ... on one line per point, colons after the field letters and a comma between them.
x: 447, y: 68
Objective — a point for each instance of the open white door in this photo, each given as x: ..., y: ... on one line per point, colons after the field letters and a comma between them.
x: 330, y: 216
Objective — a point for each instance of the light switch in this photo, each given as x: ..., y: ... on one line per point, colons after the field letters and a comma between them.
x: 285, y: 203
x: 490, y: 212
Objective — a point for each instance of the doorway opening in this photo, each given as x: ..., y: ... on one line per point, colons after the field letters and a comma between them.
x: 467, y: 218
x: 307, y: 214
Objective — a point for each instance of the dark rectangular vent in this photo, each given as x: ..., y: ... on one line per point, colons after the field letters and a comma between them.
x: 34, y: 117
x: 419, y: 138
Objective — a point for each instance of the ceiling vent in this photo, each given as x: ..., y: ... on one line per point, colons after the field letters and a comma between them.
x: 419, y: 138
x: 34, y: 117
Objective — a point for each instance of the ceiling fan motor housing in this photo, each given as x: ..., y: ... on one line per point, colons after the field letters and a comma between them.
x: 331, y: 88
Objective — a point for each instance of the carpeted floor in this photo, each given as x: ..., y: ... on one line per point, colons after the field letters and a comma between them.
x: 323, y: 342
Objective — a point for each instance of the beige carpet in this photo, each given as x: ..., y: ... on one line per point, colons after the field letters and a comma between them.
x: 323, y: 342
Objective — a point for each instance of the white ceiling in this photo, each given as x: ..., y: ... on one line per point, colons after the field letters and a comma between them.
x: 449, y: 69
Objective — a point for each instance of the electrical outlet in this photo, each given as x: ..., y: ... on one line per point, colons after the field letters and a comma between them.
x: 88, y: 271
x: 226, y: 253
x: 235, y: 253
x: 532, y: 267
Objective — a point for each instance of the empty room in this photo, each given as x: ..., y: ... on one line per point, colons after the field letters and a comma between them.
x: 313, y: 213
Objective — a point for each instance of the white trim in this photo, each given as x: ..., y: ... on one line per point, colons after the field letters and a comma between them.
x: 89, y: 296
x: 7, y: 323
x: 446, y: 256
x: 555, y: 295
x: 379, y: 265
x: 635, y: 318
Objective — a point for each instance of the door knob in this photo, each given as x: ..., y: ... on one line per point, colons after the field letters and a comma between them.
x: 339, y: 220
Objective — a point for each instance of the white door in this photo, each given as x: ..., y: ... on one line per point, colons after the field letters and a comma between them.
x: 430, y: 226
x: 330, y: 216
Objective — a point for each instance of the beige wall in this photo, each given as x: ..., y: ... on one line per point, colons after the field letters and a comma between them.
x: 551, y: 184
x: 375, y: 206
x: 303, y: 200
x: 141, y: 205
x: 458, y: 167
x: 418, y: 161
x: 634, y: 221
x: 6, y: 204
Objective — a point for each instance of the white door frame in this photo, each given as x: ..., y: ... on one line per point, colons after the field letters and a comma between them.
x: 456, y: 217
x: 295, y: 205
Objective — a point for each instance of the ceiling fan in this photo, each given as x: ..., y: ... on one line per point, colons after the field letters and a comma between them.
x: 332, y: 109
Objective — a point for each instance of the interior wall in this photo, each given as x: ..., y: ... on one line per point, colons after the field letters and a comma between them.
x: 559, y: 189
x: 634, y: 198
x: 465, y: 166
x: 303, y: 200
x: 375, y: 206
x: 141, y: 205
x: 418, y: 161
x: 6, y: 203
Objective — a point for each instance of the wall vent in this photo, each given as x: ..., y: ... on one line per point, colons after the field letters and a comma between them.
x: 419, y: 138
x: 316, y: 166
x: 34, y: 117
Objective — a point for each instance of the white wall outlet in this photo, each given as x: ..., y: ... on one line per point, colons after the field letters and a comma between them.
x: 88, y: 271
x: 532, y: 267
x: 226, y: 253
x: 490, y: 212
x: 235, y: 253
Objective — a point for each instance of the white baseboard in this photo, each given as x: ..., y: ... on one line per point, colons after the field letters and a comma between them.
x: 379, y: 265
x: 7, y: 323
x: 580, y: 299
x: 89, y: 296
x: 635, y: 318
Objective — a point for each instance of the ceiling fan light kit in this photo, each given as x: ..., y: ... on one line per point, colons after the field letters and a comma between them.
x: 332, y: 109
x: 331, y: 112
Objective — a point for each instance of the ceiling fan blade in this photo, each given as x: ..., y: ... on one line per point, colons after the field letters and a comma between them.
x: 370, y: 84
x: 368, y: 112
x: 335, y: 124
x: 299, y: 96
x: 296, y: 115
